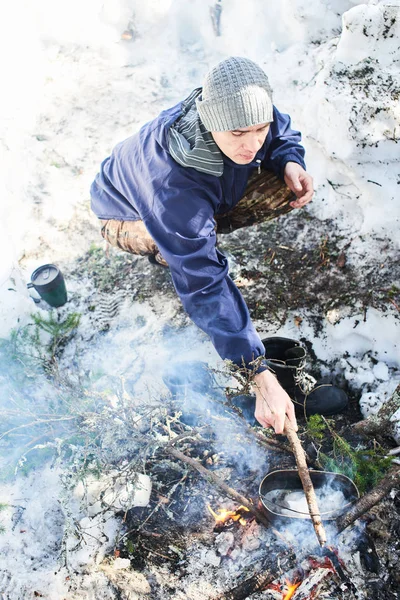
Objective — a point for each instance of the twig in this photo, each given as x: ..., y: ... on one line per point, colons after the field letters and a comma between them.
x: 32, y: 423
x: 306, y: 481
x: 312, y: 78
x: 391, y: 480
x: 157, y: 553
x: 397, y: 307
x: 263, y: 439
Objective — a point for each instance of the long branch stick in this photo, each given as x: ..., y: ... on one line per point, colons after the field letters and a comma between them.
x: 218, y: 482
x: 308, y: 487
x: 391, y: 480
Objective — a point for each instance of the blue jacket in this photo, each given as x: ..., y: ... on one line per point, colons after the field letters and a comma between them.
x: 141, y: 180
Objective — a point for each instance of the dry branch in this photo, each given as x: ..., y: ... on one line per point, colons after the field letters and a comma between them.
x: 271, y: 444
x: 391, y: 480
x: 219, y: 483
x: 308, y: 487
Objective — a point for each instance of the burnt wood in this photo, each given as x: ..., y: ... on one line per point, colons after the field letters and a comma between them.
x: 250, y: 586
x: 390, y: 481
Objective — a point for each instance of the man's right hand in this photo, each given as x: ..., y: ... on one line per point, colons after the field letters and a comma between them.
x: 272, y: 403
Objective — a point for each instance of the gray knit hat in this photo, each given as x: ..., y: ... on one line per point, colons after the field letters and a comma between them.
x: 236, y: 93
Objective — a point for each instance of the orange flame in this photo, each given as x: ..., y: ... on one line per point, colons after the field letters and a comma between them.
x: 291, y: 588
x: 224, y: 515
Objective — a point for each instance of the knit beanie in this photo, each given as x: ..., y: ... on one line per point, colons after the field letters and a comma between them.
x: 236, y: 93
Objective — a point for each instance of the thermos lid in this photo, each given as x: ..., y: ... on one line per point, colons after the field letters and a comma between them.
x: 44, y: 274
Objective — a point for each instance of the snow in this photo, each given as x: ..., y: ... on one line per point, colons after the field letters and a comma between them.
x: 75, y: 88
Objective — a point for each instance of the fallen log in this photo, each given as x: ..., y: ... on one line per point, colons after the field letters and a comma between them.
x: 308, y: 487
x: 391, y: 480
x: 381, y: 423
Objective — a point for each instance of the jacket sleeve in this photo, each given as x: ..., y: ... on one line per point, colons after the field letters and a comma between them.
x: 183, y: 227
x: 284, y: 146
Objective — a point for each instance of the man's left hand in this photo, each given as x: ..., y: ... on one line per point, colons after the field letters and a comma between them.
x: 300, y: 182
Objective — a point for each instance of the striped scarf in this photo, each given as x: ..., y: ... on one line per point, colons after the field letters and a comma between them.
x: 190, y: 144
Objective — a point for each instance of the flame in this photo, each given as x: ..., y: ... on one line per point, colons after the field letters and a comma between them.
x: 224, y: 515
x: 291, y: 588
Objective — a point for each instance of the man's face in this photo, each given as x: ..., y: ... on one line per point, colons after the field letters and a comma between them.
x: 241, y: 145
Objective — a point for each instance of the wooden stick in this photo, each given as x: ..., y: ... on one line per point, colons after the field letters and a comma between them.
x: 308, y: 487
x: 391, y: 480
x: 219, y: 483
x: 254, y: 584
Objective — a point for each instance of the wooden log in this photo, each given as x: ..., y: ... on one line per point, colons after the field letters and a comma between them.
x: 381, y: 424
x: 391, y: 480
x: 250, y: 586
x: 308, y: 487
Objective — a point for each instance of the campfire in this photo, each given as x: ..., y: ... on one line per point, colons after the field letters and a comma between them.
x: 258, y: 543
x: 305, y: 582
x: 224, y: 515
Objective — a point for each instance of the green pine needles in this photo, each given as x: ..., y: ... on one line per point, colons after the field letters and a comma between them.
x: 40, y: 341
x: 364, y: 466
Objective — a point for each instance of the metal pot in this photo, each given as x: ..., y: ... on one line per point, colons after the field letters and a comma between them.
x: 288, y: 479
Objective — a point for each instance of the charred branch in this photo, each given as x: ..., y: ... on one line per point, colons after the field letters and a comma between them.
x: 391, y: 480
x: 219, y: 483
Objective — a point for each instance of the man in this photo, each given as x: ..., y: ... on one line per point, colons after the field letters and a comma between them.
x: 168, y: 189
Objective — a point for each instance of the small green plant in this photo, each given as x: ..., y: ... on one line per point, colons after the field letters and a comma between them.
x: 393, y: 292
x: 39, y: 341
x: 58, y: 330
x: 316, y: 427
x: 365, y: 467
